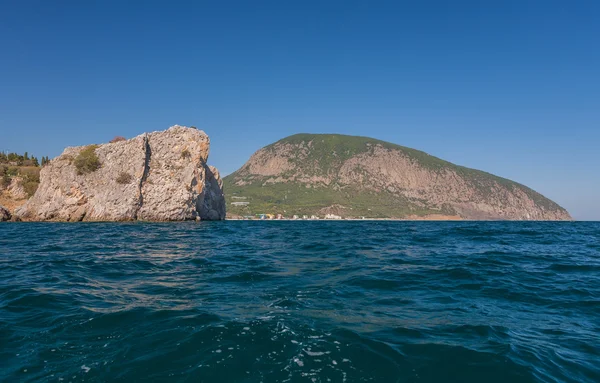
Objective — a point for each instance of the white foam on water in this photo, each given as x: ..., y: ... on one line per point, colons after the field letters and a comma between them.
x: 85, y: 368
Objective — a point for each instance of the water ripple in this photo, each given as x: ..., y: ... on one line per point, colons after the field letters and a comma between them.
x: 300, y: 301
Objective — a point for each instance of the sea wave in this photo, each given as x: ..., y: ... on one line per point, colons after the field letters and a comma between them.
x: 300, y: 301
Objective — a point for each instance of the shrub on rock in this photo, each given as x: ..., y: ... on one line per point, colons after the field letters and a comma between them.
x: 124, y: 178
x: 87, y: 161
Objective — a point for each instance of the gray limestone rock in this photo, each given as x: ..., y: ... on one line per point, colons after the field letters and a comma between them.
x: 16, y: 189
x: 160, y: 176
x: 214, y: 199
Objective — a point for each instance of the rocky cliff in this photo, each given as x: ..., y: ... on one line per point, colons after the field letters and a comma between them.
x: 159, y: 176
x: 358, y: 176
x: 4, y: 214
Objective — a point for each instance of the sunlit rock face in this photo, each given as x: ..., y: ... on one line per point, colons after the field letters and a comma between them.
x: 158, y: 176
x: 355, y: 176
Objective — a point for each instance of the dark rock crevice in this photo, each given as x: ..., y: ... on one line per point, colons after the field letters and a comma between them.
x: 4, y: 214
x: 147, y: 159
x: 213, y: 204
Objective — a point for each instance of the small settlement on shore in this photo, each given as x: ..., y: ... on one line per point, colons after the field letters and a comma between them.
x: 267, y: 216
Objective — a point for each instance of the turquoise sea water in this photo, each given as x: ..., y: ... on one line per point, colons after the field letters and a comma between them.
x: 300, y: 302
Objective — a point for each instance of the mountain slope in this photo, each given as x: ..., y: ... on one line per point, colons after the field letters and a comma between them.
x: 359, y: 176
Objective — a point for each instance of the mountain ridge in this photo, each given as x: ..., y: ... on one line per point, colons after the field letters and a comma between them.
x: 360, y: 171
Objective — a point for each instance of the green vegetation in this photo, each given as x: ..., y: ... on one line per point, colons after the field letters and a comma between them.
x: 339, y: 147
x: 343, y: 147
x: 24, y: 159
x: 322, y: 155
x: 31, y: 187
x: 30, y: 176
x: 24, y: 166
x: 87, y: 161
x: 6, y: 178
x: 19, y: 159
x: 295, y: 198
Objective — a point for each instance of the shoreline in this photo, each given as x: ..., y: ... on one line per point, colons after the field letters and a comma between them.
x: 303, y: 220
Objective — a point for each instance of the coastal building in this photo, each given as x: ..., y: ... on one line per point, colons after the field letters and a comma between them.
x: 332, y: 216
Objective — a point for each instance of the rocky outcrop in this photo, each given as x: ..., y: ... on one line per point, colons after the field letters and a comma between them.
x: 360, y: 176
x: 4, y: 214
x: 214, y: 199
x: 16, y: 189
x: 159, y: 176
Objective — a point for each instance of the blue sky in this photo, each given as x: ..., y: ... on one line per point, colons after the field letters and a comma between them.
x: 509, y: 87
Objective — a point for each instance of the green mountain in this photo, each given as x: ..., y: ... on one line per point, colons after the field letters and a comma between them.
x: 351, y: 176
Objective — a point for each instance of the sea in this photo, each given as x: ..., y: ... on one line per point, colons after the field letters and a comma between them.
x: 308, y: 301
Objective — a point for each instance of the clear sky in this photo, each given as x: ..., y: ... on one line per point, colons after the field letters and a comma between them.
x: 509, y: 87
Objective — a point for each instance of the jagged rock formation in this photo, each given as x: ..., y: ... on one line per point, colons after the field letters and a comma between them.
x: 359, y: 176
x: 214, y: 202
x: 159, y: 176
x: 4, y: 214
